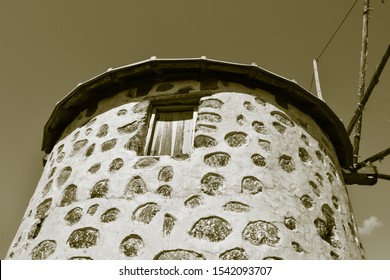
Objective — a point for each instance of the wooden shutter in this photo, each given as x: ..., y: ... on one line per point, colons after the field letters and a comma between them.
x: 172, y: 133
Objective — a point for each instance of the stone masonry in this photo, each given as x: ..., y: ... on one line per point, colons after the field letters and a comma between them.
x: 263, y: 181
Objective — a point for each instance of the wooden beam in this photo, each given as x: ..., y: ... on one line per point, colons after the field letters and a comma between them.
x: 371, y: 86
x: 317, y: 79
x: 362, y: 77
x: 379, y: 156
x: 384, y: 176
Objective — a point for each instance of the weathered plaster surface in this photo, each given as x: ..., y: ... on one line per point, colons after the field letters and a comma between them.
x: 263, y: 182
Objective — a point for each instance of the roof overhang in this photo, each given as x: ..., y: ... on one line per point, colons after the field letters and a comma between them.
x: 97, y: 88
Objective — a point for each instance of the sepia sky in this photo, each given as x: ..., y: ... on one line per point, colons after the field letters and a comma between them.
x: 47, y: 47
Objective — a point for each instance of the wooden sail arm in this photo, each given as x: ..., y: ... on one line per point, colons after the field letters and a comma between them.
x: 370, y: 88
x: 378, y: 156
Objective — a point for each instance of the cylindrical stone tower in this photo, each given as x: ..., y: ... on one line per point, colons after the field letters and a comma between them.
x: 191, y: 159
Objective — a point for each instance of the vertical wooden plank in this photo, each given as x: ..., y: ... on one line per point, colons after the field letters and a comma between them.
x: 362, y: 78
x: 317, y: 79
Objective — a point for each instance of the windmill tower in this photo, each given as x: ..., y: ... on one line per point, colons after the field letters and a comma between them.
x: 191, y: 159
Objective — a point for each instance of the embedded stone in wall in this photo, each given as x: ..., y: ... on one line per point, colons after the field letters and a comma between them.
x: 88, y: 131
x: 92, y: 209
x: 69, y: 195
x: 145, y: 213
x: 184, y: 90
x: 80, y: 258
x: 209, y: 117
x: 35, y: 229
x: 52, y: 171
x: 304, y: 155
x: 260, y: 101
x: 251, y: 185
x: 307, y: 201
x: 77, y: 133
x: 136, y: 186
x: 320, y: 156
x: 273, y: 258
x: 103, y: 130
x: 297, y: 247
x: 319, y: 179
x: 204, y: 141
x: 353, y: 232
x: 265, y: 145
x: 258, y: 160
x: 64, y: 175
x: 43, y: 250
x: 90, y: 150
x: 141, y: 107
x: 47, y: 188
x: 287, y: 163
x: 164, y: 87
x: 335, y: 202
x: 218, y: 159
x: 121, y: 112
x: 42, y: 209
x: 212, y: 184
x: 181, y: 157
x: 94, y: 168
x: 282, y: 118
x: 60, y: 157
x: 261, y: 233
x: 60, y: 148
x: 168, y: 224
x: 135, y: 144
x: 128, y: 128
x: 279, y: 127
x: 132, y: 245
x: 234, y: 254
x: 305, y: 139
x: 330, y: 177
x: 322, y: 230
x: 194, y: 201
x: 164, y: 191
x: 100, y: 189
x: 326, y: 228
x: 73, y: 216
x: 110, y: 215
x: 108, y: 145
x: 259, y: 127
x: 211, y: 103
x: 179, y: 254
x: 290, y: 223
x: 236, y: 139
x: 78, y: 146
x: 146, y: 162
x: 83, y: 238
x: 334, y: 256
x: 165, y: 174
x: 115, y: 165
x: 315, y: 188
x: 241, y: 120
x: 249, y: 106
x: 237, y: 207
x: 205, y: 127
x: 333, y: 169
x: 213, y: 229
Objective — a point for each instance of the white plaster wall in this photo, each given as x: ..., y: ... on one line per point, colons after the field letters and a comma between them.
x: 283, y: 194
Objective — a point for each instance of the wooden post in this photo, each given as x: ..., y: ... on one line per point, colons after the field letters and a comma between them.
x: 362, y: 76
x: 317, y: 79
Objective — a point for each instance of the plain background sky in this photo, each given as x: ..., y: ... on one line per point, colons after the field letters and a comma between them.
x: 47, y: 47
